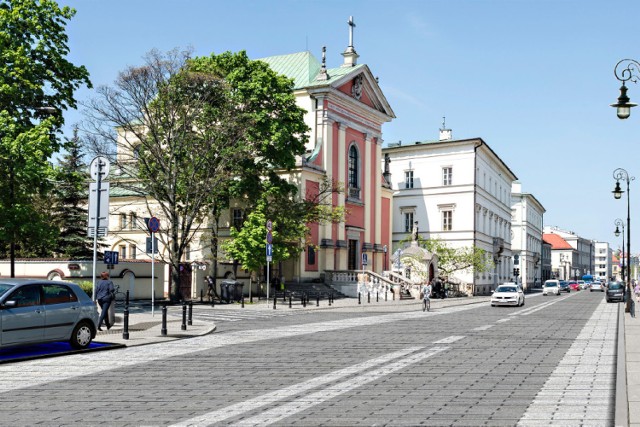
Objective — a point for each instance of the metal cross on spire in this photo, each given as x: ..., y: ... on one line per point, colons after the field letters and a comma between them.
x: 351, y: 27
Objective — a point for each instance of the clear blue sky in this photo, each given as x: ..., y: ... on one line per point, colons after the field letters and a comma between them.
x: 533, y: 78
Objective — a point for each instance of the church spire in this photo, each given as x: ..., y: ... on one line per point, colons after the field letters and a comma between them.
x: 350, y: 55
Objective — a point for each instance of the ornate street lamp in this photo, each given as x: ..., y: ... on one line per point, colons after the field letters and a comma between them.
x: 620, y: 224
x: 625, y: 70
x: 622, y: 174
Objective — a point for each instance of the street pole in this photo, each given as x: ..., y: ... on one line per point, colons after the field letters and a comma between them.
x: 153, y: 275
x: 95, y: 229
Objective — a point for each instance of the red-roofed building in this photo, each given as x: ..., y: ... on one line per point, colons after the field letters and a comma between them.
x: 563, y: 256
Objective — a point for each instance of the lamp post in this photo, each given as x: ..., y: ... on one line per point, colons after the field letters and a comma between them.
x: 622, y: 174
x: 620, y: 224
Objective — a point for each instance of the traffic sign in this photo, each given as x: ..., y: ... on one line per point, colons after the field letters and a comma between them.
x: 269, y: 225
x: 269, y: 237
x: 99, y: 166
x: 154, y: 224
x: 269, y: 252
x: 364, y: 259
x: 110, y: 257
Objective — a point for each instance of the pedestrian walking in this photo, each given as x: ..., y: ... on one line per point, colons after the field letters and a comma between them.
x: 105, y: 294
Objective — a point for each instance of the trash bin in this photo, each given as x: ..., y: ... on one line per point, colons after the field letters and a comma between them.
x: 226, y: 287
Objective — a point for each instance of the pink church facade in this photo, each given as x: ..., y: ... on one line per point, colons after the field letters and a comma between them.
x: 345, y: 112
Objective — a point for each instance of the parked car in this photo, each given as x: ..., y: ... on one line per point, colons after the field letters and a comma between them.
x: 36, y: 311
x: 564, y: 286
x: 508, y: 294
x: 574, y: 285
x: 551, y: 287
x: 583, y: 284
x: 596, y: 286
x: 615, y: 292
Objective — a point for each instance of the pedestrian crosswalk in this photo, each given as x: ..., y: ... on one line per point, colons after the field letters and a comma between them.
x: 238, y: 314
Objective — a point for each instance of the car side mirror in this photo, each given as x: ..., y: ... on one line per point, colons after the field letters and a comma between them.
x: 9, y: 304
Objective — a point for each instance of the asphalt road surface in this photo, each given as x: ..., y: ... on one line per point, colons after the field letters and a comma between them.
x: 550, y: 362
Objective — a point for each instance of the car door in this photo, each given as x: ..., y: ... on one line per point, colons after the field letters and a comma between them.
x: 22, y: 316
x: 62, y: 310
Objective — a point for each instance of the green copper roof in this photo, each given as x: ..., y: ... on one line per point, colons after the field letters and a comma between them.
x: 303, y: 68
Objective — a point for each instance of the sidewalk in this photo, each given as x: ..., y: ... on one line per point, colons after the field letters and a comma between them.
x: 631, y: 333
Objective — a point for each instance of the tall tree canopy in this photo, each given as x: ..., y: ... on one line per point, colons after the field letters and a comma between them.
x: 36, y: 79
x: 190, y: 133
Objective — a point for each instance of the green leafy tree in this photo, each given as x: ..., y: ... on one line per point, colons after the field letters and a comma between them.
x: 35, y: 79
x: 290, y: 218
x: 276, y: 136
x: 451, y: 260
x: 187, y: 140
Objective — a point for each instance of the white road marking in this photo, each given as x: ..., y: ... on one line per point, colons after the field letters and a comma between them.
x: 483, y: 328
x: 581, y: 388
x: 506, y: 319
x: 288, y: 409
x: 449, y: 340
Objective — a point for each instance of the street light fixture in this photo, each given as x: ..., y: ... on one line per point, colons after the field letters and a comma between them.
x: 625, y: 70
x: 621, y: 174
x: 620, y: 224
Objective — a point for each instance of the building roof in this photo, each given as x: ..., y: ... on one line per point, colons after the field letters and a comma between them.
x: 303, y: 68
x: 556, y: 241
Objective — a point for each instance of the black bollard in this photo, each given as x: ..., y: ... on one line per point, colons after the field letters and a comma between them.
x: 184, y: 316
x: 284, y: 296
x: 163, y: 331
x: 125, y: 331
x: 377, y: 296
x: 318, y: 300
x: 274, y: 302
x: 359, y: 302
x: 201, y: 296
x: 251, y: 299
x: 303, y: 300
x: 385, y: 294
x: 242, y: 301
x: 329, y: 298
x: 332, y: 298
x: 369, y: 297
x: 190, y: 321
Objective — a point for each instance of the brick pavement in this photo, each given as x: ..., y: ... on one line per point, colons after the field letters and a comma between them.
x: 145, y: 328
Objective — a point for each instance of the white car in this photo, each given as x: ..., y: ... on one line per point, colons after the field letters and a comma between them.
x: 551, y: 287
x: 596, y: 286
x: 508, y: 294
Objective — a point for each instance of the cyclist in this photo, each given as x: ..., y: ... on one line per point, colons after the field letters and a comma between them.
x: 426, y: 296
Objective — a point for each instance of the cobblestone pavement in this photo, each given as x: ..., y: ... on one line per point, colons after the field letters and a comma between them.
x: 291, y: 368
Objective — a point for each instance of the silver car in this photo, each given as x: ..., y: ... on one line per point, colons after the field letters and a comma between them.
x: 36, y: 311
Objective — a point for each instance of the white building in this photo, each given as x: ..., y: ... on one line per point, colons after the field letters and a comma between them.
x: 526, y: 242
x: 458, y: 191
x: 579, y: 259
x: 602, y: 261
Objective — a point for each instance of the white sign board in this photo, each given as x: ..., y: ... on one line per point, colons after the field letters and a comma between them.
x: 99, y: 164
x: 103, y: 215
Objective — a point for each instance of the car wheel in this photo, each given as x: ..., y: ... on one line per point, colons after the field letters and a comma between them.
x: 81, y: 336
x: 493, y: 305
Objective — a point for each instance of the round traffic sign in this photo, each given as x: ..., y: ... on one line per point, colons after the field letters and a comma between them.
x: 99, y: 165
x: 154, y: 224
x: 269, y: 225
x: 269, y: 237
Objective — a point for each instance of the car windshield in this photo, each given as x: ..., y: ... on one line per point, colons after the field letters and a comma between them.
x: 506, y: 289
x: 550, y: 285
x: 4, y: 287
x: 615, y: 286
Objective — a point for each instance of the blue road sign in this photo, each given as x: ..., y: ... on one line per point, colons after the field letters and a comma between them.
x: 269, y: 252
x: 154, y: 224
x: 364, y: 259
x: 110, y: 257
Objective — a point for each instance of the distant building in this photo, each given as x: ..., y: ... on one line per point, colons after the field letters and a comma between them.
x: 526, y: 232
x: 602, y: 264
x: 572, y: 255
